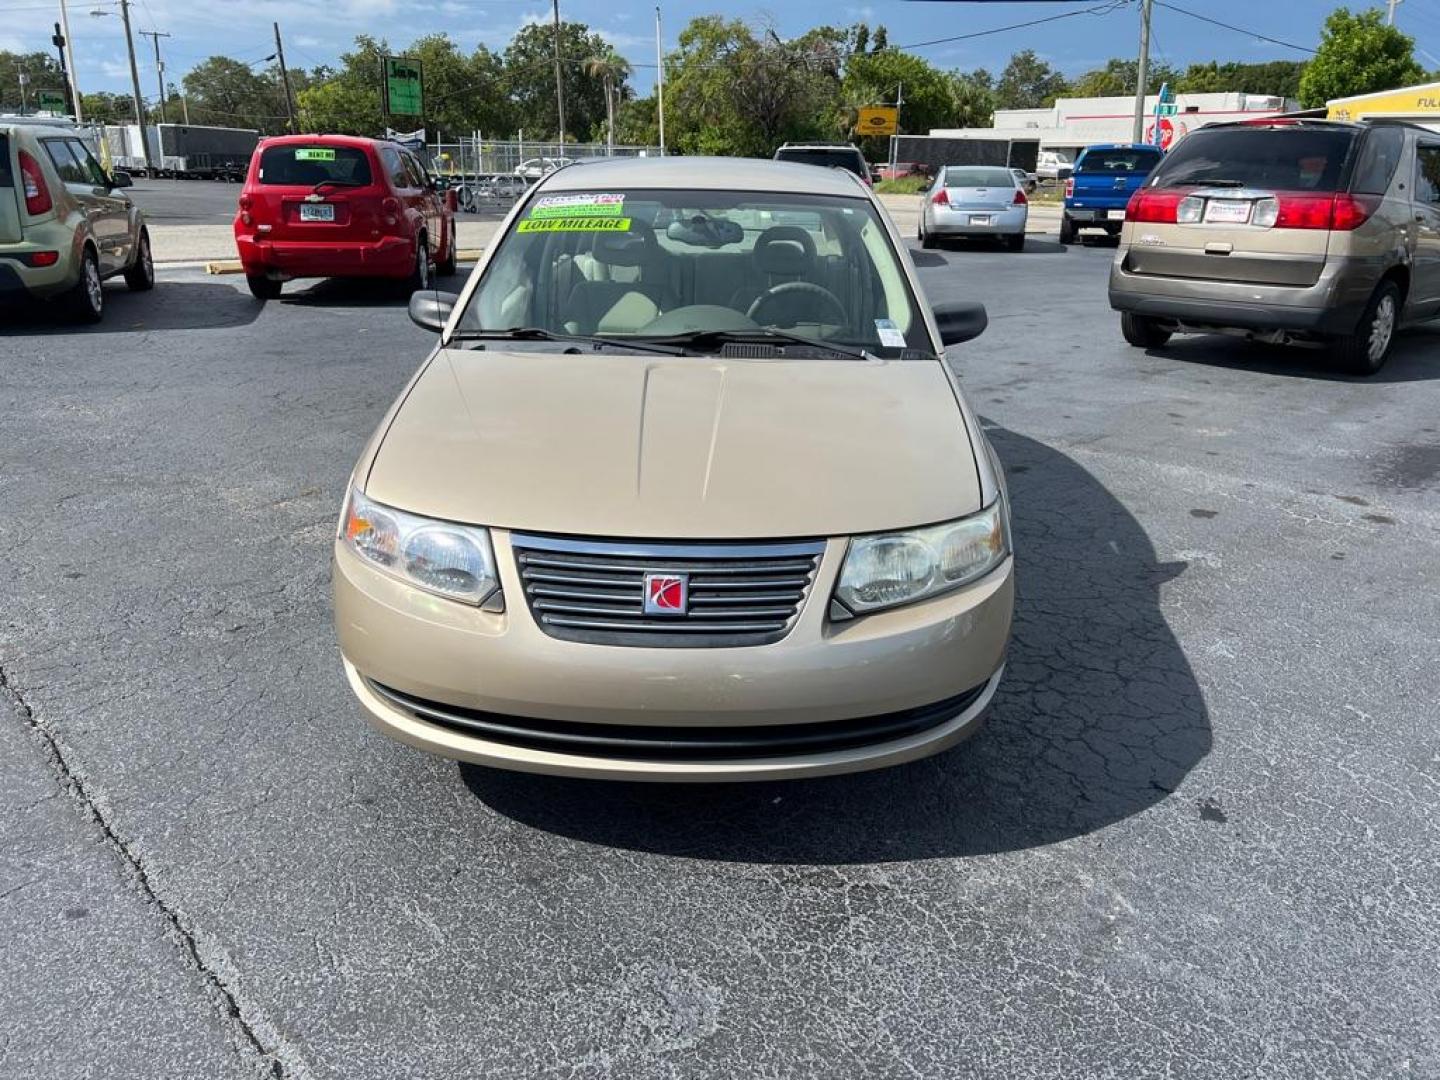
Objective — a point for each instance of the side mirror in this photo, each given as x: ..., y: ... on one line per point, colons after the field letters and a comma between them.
x: 431, y: 310
x: 119, y: 178
x: 958, y: 322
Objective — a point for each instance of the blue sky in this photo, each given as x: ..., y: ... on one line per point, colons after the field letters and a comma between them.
x: 316, y: 32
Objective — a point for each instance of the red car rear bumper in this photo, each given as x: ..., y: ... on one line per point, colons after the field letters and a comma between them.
x: 390, y: 256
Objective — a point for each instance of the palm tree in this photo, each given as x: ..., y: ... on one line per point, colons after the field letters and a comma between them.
x: 612, y: 69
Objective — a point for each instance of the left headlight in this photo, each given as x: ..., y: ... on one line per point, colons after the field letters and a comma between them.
x: 889, y: 569
x: 454, y: 561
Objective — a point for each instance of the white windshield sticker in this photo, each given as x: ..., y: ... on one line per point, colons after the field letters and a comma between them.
x: 573, y: 206
x: 890, y: 335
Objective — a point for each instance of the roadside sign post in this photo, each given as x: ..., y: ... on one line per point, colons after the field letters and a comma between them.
x: 402, y: 86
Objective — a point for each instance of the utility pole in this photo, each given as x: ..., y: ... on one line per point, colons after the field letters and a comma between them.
x: 895, y: 139
x: 70, y: 68
x: 285, y: 78
x: 1142, y: 70
x: 660, y: 80
x: 24, y: 82
x: 1391, y: 5
x: 559, y: 84
x: 185, y: 107
x: 156, y: 35
x: 135, y: 86
x: 59, y: 42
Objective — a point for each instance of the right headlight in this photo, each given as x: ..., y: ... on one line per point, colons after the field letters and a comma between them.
x: 453, y: 561
x: 889, y: 569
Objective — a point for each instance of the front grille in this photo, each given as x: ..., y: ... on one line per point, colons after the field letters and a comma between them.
x: 594, y: 591
x: 657, y: 742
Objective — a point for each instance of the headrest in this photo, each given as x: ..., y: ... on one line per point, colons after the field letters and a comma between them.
x: 620, y: 249
x: 785, y: 249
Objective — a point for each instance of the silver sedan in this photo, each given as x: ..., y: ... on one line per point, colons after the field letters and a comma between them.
x: 975, y: 200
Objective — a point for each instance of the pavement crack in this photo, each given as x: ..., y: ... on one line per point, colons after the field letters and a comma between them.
x: 276, y: 1060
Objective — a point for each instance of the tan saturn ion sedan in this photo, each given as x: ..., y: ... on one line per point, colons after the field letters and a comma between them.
x: 686, y: 491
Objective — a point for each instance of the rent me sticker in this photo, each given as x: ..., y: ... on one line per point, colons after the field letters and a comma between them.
x: 314, y: 153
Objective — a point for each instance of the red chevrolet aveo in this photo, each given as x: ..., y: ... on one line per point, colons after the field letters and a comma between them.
x: 337, y: 206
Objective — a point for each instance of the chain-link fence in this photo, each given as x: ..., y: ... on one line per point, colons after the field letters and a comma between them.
x: 490, y: 173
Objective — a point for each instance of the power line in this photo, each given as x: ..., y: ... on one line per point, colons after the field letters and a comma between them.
x: 1237, y: 29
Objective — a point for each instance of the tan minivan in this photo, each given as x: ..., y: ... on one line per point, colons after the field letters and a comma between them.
x: 686, y: 491
x: 1287, y: 231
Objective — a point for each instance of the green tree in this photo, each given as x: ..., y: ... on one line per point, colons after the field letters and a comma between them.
x: 873, y: 79
x: 1028, y: 83
x: 1358, y: 54
x: 227, y: 93
x: 1118, y: 77
x: 106, y: 108
x: 41, y: 70
x: 530, y: 69
x: 973, y: 93
x: 1275, y: 77
x: 637, y: 122
x: 612, y: 70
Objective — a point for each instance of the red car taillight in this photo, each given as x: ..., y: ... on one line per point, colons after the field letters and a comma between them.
x: 1343, y: 212
x: 37, y: 194
x: 941, y: 198
x: 390, y: 208
x: 1069, y: 187
x: 1020, y: 199
x: 245, y: 203
x: 1159, y: 207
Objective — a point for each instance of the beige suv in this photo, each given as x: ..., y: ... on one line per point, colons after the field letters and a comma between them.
x: 1287, y: 231
x: 65, y: 225
x: 686, y: 491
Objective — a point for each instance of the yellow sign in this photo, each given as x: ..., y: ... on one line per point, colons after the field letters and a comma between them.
x: 574, y: 224
x: 1412, y: 101
x: 877, y: 120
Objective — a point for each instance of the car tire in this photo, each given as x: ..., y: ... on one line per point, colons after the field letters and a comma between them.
x: 263, y: 287
x: 1142, y: 331
x: 1067, y: 229
x: 446, y: 267
x: 85, y: 303
x: 1365, y: 351
x: 140, y: 275
x: 1016, y: 242
x: 422, y: 274
x: 927, y: 241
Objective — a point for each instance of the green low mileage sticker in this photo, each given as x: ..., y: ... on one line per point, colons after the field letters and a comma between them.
x: 315, y: 153
x: 572, y: 223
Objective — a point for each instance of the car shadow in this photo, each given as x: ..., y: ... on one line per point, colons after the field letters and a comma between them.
x: 1098, y: 718
x: 1413, y: 358
x: 171, y: 305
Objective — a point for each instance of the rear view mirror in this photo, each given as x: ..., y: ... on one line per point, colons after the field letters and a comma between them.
x: 431, y: 309
x: 959, y: 322
x: 119, y: 179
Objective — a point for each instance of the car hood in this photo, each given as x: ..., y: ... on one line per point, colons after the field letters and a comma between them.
x: 688, y: 448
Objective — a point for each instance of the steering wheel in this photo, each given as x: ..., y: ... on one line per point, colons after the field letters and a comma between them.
x: 814, y: 295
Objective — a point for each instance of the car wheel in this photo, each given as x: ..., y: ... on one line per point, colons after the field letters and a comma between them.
x: 86, y: 301
x: 1016, y: 242
x: 263, y: 287
x: 141, y: 274
x: 927, y: 241
x: 1365, y: 351
x: 419, y: 279
x: 446, y: 266
x: 1142, y: 331
x: 1067, y: 229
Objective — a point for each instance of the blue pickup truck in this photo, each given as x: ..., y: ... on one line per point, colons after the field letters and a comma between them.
x: 1104, y: 179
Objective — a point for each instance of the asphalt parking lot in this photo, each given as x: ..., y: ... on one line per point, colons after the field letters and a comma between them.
x: 1196, y: 839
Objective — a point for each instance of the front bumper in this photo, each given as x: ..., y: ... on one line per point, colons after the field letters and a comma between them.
x: 1332, y: 306
x: 888, y: 668
x: 1009, y: 221
x: 389, y: 256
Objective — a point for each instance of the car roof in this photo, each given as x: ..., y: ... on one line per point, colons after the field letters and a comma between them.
x: 707, y: 174
x: 9, y: 125
x: 1122, y: 146
x: 358, y: 142
x: 818, y: 146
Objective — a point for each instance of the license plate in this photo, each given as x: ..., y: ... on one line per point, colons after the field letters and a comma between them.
x: 1227, y: 211
x: 317, y: 212
x: 980, y: 219
x: 1106, y: 215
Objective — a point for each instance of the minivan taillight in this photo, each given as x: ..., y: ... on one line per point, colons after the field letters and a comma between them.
x: 941, y: 198
x: 1342, y: 212
x: 37, y: 194
x: 1159, y: 207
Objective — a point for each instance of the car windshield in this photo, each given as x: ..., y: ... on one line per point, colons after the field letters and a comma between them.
x: 970, y: 176
x: 307, y: 166
x: 676, y: 265
x: 838, y: 158
x: 1118, y: 161
x: 1281, y: 159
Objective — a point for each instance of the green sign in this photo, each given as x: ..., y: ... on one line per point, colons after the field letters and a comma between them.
x: 314, y: 153
x: 402, y: 87
x: 52, y: 100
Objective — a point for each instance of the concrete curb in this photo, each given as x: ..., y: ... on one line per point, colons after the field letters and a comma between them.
x: 232, y: 266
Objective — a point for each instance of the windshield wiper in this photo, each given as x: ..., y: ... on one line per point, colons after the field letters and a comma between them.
x: 715, y: 339
x: 1208, y: 183
x: 539, y: 333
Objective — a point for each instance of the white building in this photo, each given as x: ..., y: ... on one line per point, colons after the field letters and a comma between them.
x: 1075, y: 123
